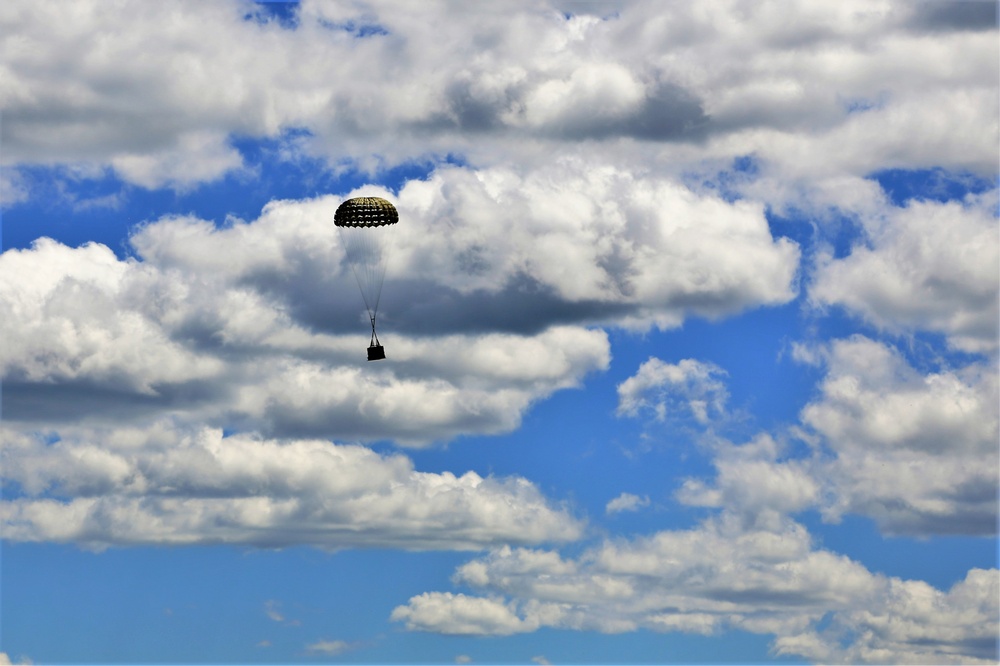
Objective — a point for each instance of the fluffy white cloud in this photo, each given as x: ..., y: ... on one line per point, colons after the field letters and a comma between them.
x: 161, y: 485
x: 62, y: 317
x: 687, y: 386
x: 928, y: 266
x: 915, y: 452
x: 912, y: 623
x: 721, y: 574
x: 752, y: 481
x: 249, y: 323
x: 458, y: 614
x: 626, y: 502
x: 329, y: 648
x: 591, y: 242
x: 847, y: 89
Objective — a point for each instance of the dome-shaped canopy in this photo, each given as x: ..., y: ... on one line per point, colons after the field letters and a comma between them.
x: 365, y: 212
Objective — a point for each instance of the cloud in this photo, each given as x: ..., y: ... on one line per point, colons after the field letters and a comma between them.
x: 626, y: 502
x: 720, y: 574
x: 157, y: 120
x: 689, y: 386
x: 460, y: 615
x: 720, y: 79
x: 928, y: 266
x: 937, y: 432
x: 754, y: 482
x: 13, y: 188
x: 914, y: 623
x: 96, y: 338
x: 5, y: 660
x: 64, y: 321
x: 198, y: 157
x: 249, y: 323
x: 329, y: 648
x: 976, y: 15
x: 638, y: 250
x: 161, y: 485
x: 271, y: 610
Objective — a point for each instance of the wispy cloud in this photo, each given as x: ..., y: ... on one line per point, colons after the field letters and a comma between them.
x: 330, y: 648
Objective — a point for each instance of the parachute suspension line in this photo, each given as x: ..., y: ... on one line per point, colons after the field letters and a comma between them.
x: 367, y: 259
x: 378, y: 271
x: 354, y: 269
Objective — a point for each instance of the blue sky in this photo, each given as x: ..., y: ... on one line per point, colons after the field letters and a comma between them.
x: 691, y: 320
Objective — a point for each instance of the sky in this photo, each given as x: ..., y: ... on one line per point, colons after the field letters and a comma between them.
x: 691, y: 322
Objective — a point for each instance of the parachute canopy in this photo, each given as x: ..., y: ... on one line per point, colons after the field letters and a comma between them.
x: 363, y: 223
x: 365, y: 212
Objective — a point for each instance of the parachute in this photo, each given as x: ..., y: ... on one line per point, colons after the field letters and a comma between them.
x: 363, y: 223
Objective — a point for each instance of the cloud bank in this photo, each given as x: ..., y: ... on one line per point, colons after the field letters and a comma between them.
x: 845, y: 90
x: 249, y: 323
x: 167, y: 486
x: 721, y: 574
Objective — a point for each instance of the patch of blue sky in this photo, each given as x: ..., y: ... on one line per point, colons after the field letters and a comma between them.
x: 836, y: 233
x: 577, y: 647
x: 640, y: 455
x: 726, y: 183
x: 754, y: 349
x: 284, y: 12
x: 927, y: 352
x: 904, y: 185
x: 204, y: 605
x: 66, y: 205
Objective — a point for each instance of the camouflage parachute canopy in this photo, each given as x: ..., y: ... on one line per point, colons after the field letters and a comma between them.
x: 365, y: 212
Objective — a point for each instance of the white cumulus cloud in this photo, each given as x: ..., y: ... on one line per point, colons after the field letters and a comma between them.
x: 626, y: 502
x: 162, y: 485
x: 928, y: 266
x: 690, y: 386
x: 257, y: 323
x: 721, y: 574
x: 916, y: 452
x: 846, y: 90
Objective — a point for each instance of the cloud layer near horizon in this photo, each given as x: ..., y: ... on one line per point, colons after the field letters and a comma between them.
x: 721, y: 574
x: 162, y: 485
